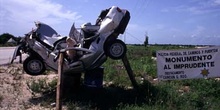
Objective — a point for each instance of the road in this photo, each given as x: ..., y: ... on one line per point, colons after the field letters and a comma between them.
x: 6, y: 54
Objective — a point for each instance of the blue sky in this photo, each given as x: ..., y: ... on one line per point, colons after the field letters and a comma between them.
x: 164, y: 21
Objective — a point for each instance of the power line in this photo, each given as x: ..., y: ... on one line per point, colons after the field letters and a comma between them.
x: 142, y: 9
x: 135, y: 9
x: 134, y: 37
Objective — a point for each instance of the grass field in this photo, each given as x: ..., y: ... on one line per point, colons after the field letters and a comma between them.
x: 117, y: 92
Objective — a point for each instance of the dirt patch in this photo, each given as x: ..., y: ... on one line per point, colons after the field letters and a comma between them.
x: 14, y: 91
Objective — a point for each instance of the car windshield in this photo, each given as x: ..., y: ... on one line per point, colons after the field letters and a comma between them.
x: 45, y: 30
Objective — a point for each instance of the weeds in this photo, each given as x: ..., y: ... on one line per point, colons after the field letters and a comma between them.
x: 41, y: 85
x: 200, y: 94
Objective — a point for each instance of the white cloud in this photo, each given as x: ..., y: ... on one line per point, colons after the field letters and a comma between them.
x: 159, y: 27
x: 199, y: 31
x: 22, y: 13
x: 165, y: 10
x: 217, y: 2
x: 133, y: 26
x: 199, y: 7
x: 201, y: 35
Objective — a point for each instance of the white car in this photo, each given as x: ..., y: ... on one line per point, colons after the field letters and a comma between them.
x: 96, y: 43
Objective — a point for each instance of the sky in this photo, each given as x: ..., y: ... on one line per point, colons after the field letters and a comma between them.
x: 191, y: 22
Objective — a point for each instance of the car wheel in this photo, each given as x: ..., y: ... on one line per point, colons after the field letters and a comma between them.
x: 34, y: 66
x: 115, y: 49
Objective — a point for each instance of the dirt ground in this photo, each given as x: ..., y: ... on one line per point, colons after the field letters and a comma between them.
x: 14, y: 91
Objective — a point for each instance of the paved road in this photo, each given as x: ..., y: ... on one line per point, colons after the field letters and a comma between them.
x: 6, y: 54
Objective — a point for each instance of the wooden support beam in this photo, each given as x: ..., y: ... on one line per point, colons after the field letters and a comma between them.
x: 59, y: 83
x: 20, y: 58
x: 129, y: 71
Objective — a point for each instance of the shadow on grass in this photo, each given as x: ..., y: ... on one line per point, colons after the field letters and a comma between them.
x: 105, y: 98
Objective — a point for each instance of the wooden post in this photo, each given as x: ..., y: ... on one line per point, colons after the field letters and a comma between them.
x: 20, y: 59
x: 59, y: 83
x: 129, y: 71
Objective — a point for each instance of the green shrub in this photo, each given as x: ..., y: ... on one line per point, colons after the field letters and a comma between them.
x: 41, y: 85
x: 191, y: 94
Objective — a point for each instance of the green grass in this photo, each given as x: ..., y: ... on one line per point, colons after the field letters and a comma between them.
x: 192, y: 94
x: 41, y: 85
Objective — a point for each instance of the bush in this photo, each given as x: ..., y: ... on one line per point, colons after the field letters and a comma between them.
x: 201, y: 94
x: 41, y: 85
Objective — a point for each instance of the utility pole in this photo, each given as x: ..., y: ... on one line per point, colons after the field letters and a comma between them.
x: 146, y: 39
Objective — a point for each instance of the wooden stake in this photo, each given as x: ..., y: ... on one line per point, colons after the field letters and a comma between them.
x: 59, y: 83
x: 129, y: 71
x: 20, y: 59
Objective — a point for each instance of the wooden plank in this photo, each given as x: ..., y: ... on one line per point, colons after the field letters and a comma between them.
x: 59, y: 83
x: 129, y: 71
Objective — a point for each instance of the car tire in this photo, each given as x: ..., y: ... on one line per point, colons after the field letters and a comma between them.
x: 34, y: 66
x: 115, y: 49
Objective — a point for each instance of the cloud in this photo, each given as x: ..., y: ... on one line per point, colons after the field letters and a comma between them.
x: 159, y: 26
x: 203, y: 7
x: 199, y: 31
x: 25, y: 12
x: 201, y: 35
x: 216, y: 2
x: 196, y: 7
x: 165, y: 10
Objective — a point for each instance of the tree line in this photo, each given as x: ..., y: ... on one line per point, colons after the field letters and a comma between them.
x: 6, y: 36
